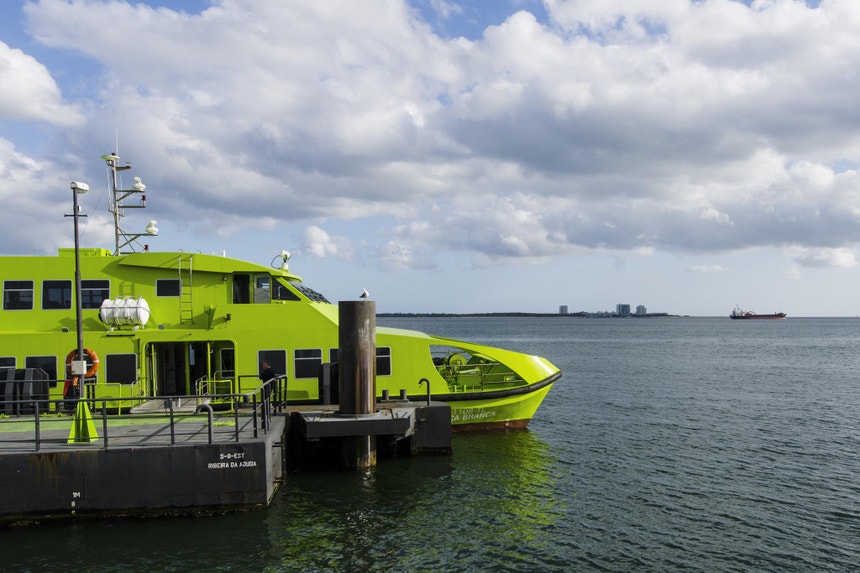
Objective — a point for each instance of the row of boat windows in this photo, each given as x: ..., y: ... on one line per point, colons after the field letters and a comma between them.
x: 122, y: 368
x: 57, y: 294
x: 307, y: 362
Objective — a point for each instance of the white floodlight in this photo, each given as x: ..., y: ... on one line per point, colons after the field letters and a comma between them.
x: 80, y: 188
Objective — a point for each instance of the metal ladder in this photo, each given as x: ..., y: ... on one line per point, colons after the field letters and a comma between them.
x: 186, y: 288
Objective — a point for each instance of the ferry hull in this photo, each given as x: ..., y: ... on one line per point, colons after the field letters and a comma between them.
x: 493, y: 413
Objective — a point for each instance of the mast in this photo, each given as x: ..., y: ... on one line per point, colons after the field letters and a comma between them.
x: 117, y: 207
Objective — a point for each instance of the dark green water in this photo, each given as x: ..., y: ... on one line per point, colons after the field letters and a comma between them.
x: 669, y: 445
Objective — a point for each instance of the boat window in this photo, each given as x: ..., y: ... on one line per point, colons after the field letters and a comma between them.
x: 308, y: 362
x: 56, y: 295
x: 313, y: 295
x: 276, y: 358
x: 267, y: 289
x: 261, y: 289
x: 6, y: 363
x: 46, y: 363
x: 168, y: 287
x: 228, y: 361
x: 281, y: 292
x: 383, y: 359
x: 94, y: 292
x: 121, y: 368
x: 17, y: 295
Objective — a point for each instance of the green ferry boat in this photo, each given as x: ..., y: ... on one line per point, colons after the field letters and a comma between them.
x: 165, y: 324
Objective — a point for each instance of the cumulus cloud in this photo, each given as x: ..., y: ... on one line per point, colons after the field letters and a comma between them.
x: 844, y: 258
x: 30, y: 93
x: 36, y: 197
x: 675, y: 125
x: 319, y: 243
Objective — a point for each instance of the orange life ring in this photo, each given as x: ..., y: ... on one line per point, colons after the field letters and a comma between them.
x: 91, y: 357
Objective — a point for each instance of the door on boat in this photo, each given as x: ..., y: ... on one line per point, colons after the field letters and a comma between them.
x: 248, y: 289
x: 170, y: 361
x: 182, y: 368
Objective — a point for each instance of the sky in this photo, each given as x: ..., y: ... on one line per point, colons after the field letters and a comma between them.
x: 455, y: 156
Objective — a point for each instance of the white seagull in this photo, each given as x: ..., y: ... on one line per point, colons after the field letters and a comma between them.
x: 364, y: 293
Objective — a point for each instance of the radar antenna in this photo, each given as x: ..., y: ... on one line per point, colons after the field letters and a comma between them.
x: 117, y: 207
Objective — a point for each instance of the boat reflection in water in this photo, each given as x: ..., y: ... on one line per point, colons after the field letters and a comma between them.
x: 487, y: 508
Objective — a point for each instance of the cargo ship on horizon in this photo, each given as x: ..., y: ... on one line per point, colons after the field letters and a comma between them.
x: 739, y: 314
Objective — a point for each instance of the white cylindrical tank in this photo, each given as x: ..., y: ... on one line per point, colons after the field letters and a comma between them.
x: 124, y: 311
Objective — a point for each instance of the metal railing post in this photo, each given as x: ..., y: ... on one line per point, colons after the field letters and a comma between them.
x: 172, y: 429
x: 105, y: 421
x: 208, y: 409
x: 38, y: 427
x: 264, y: 404
x: 236, y: 415
x: 254, y: 411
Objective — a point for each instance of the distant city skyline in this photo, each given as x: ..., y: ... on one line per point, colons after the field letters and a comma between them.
x: 621, y: 309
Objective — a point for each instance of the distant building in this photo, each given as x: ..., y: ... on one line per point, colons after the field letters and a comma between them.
x: 640, y: 310
x: 622, y: 309
x: 562, y: 309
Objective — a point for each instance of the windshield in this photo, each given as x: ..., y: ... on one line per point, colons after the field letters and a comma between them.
x: 308, y: 292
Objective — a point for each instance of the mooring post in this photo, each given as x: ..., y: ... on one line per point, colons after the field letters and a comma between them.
x: 357, y: 377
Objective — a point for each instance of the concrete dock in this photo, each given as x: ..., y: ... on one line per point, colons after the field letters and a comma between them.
x: 147, y: 465
x: 187, y: 463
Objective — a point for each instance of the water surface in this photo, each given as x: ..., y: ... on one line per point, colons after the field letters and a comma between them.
x: 670, y: 444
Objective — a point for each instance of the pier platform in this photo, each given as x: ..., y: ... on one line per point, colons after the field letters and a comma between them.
x: 174, y: 462
x: 140, y: 465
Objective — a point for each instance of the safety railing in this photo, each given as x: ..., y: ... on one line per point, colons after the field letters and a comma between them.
x: 477, y: 375
x: 273, y: 393
x: 112, y: 393
x: 213, y: 386
x: 35, y: 423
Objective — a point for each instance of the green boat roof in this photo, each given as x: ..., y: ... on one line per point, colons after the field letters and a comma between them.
x: 169, y: 259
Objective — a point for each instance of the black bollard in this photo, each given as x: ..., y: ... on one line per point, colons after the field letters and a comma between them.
x: 357, y: 377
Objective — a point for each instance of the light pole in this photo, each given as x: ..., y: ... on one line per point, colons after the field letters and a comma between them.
x: 79, y: 366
